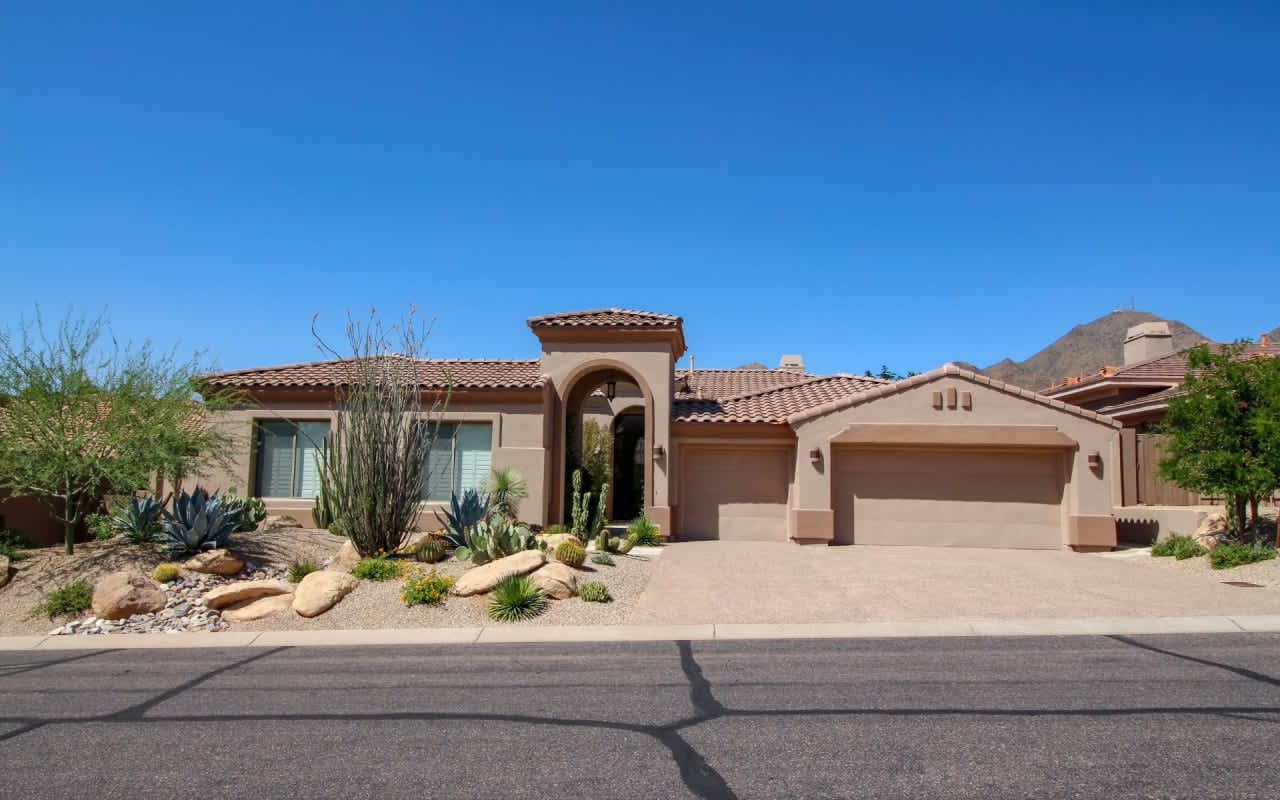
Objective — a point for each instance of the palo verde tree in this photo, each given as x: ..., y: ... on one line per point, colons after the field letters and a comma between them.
x: 388, y: 409
x: 1223, y: 434
x: 83, y: 416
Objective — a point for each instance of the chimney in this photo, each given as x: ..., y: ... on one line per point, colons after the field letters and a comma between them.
x: 792, y: 363
x: 1146, y: 341
x: 1264, y: 340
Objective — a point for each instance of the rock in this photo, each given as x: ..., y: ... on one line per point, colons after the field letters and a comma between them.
x: 240, y: 591
x: 257, y: 609
x: 556, y: 580
x: 122, y: 594
x: 278, y: 521
x: 554, y: 540
x: 320, y: 591
x: 214, y: 562
x: 346, y: 557
x: 4, y: 570
x: 483, y: 578
x: 1212, y: 530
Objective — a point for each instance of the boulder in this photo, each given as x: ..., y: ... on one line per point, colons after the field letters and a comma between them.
x: 483, y: 578
x: 346, y: 557
x: 120, y: 595
x: 1212, y: 530
x: 215, y: 562
x: 556, y: 580
x: 249, y: 610
x: 4, y: 570
x: 554, y: 540
x: 232, y: 593
x: 278, y: 521
x: 320, y: 591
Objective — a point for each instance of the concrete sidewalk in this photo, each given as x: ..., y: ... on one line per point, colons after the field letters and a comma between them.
x: 1265, y: 623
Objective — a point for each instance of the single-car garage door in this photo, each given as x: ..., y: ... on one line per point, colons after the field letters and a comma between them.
x: 734, y: 493
x: 958, y: 497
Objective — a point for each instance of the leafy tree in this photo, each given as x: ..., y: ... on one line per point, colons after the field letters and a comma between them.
x: 1224, y: 429
x: 889, y: 375
x: 82, y: 417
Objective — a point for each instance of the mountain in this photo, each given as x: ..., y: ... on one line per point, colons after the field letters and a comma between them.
x: 1084, y: 349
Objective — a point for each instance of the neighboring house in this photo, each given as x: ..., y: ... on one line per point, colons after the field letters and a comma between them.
x: 1137, y: 395
x: 943, y: 458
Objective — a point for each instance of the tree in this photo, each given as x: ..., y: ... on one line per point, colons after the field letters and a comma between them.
x: 81, y: 417
x: 887, y: 374
x: 1223, y: 429
x: 377, y: 458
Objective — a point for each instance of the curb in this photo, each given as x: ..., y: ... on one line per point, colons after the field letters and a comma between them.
x: 1268, y: 623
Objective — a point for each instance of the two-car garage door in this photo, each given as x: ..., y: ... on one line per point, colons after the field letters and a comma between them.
x: 958, y: 497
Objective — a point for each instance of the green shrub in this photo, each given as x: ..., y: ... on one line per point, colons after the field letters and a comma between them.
x: 646, y: 532
x: 12, y: 544
x: 430, y: 550
x: 571, y: 554
x: 301, y: 569
x: 376, y: 568
x: 70, y: 599
x: 516, y: 598
x: 100, y: 527
x: 425, y: 589
x: 1236, y: 554
x: 594, y: 592
x: 165, y: 573
x: 603, y: 558
x: 1178, y: 546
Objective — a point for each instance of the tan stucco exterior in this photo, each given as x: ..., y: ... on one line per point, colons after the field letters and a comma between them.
x: 947, y: 458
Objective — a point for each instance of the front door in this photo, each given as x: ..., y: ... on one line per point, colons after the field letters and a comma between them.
x: 628, y: 466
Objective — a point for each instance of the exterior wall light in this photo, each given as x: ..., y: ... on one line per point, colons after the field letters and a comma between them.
x: 815, y: 455
x: 1095, y: 460
x: 659, y: 452
x: 610, y: 389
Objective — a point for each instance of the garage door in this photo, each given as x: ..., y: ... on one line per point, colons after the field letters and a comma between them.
x: 958, y: 498
x: 731, y: 493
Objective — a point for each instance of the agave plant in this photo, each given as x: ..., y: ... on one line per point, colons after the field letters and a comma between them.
x: 463, y: 515
x: 199, y: 521
x: 251, y: 509
x: 139, y: 522
x: 488, y: 540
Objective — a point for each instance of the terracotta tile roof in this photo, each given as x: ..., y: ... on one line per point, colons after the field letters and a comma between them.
x: 945, y: 371
x: 721, y: 383
x: 1170, y: 370
x: 438, y: 373
x: 773, y: 405
x: 606, y: 318
x: 1158, y: 399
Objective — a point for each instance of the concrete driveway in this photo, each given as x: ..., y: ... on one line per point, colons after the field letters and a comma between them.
x: 764, y: 582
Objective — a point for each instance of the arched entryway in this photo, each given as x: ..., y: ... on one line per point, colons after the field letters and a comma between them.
x: 609, y: 400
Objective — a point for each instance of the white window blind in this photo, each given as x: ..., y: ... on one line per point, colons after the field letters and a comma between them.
x: 460, y: 459
x: 288, y: 454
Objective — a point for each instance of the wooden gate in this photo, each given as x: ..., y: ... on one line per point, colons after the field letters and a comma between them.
x: 1152, y: 489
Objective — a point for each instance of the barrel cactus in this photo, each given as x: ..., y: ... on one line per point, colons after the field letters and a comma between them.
x: 430, y: 550
x: 570, y: 554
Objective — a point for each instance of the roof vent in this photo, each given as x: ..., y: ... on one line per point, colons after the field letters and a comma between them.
x: 792, y: 363
x: 1146, y: 341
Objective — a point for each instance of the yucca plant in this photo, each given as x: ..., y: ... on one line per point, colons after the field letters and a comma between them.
x: 506, y: 489
x: 199, y: 521
x: 139, y: 522
x: 646, y: 532
x: 516, y: 598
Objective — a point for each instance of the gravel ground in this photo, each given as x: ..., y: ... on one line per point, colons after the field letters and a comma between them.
x: 1264, y: 573
x: 377, y: 604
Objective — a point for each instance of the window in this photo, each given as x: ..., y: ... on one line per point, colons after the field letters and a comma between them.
x: 289, y: 457
x: 459, y: 460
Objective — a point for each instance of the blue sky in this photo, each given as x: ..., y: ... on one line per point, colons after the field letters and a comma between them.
x: 861, y: 183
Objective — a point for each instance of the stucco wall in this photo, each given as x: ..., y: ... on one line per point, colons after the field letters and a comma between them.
x: 517, y: 442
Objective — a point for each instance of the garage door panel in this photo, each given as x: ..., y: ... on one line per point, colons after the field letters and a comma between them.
x: 964, y: 498
x: 729, y: 493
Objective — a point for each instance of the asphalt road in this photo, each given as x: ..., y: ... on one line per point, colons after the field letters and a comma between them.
x: 1107, y: 717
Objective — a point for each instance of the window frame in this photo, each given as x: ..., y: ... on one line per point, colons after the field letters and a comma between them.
x: 259, y: 432
x: 454, y: 478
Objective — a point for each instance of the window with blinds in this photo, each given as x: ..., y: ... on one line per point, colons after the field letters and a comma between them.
x: 460, y: 459
x: 289, y: 455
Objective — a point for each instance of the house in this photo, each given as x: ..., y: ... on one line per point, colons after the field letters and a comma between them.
x: 1137, y: 395
x: 944, y: 458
